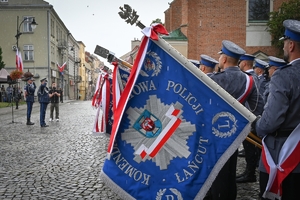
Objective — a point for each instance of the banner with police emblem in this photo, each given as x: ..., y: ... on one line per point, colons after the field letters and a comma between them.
x: 175, y: 129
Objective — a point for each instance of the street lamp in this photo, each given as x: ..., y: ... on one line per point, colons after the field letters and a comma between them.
x: 19, y: 33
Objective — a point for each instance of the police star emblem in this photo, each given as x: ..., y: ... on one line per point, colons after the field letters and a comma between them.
x: 158, y: 132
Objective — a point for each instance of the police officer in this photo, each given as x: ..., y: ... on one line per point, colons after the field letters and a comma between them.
x: 29, y: 90
x: 195, y: 62
x: 233, y: 80
x: 207, y: 64
x: 259, y: 69
x: 44, y: 98
x: 282, y: 115
x: 274, y: 64
x: 252, y: 153
x: 246, y: 64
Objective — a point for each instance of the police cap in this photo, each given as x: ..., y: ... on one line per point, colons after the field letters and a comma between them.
x: 208, y: 61
x: 292, y: 30
x: 260, y: 63
x: 195, y: 62
x: 247, y: 57
x: 277, y: 62
x: 231, y: 49
x: 44, y: 79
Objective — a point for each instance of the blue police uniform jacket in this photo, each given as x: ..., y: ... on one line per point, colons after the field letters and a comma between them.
x: 266, y: 92
x: 262, y: 81
x: 43, y: 94
x: 282, y: 109
x: 233, y: 80
x: 259, y: 110
x: 30, y: 89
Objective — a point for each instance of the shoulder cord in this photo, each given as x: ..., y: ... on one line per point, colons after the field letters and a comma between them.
x: 43, y: 91
x: 258, y: 94
x: 27, y: 89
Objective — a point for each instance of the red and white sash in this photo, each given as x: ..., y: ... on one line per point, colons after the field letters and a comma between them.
x: 249, y: 84
x: 150, y: 32
x: 287, y: 161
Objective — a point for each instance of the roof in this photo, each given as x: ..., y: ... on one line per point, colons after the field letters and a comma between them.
x: 176, y: 35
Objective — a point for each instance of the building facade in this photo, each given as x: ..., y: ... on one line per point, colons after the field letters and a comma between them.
x: 207, y: 23
x: 44, y: 48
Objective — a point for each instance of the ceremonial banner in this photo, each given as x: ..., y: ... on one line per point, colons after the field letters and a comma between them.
x: 19, y: 61
x: 174, y: 128
x: 103, y: 101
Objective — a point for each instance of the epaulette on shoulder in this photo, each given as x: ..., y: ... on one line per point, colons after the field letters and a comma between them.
x: 285, y: 66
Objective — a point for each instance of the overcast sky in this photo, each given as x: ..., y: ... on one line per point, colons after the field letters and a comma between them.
x: 97, y: 22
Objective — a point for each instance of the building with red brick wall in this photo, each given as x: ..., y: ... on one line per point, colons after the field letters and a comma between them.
x: 207, y: 22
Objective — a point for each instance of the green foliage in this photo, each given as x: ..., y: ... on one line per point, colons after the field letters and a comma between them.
x: 287, y: 10
x: 157, y: 21
x: 2, y: 65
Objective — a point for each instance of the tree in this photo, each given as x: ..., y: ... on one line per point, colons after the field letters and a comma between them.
x: 157, y: 21
x: 2, y: 65
x: 287, y: 10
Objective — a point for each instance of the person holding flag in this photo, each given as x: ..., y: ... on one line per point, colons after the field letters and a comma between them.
x: 242, y: 87
x: 279, y: 124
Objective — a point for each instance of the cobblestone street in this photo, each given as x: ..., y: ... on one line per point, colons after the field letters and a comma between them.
x: 62, y: 161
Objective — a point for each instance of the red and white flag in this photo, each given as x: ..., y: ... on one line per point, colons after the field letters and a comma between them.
x: 287, y: 161
x: 116, y: 87
x: 19, y: 61
x: 101, y: 101
x: 61, y: 68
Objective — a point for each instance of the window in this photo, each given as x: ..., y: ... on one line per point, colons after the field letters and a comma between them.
x: 52, y: 27
x: 27, y: 24
x: 28, y: 53
x: 258, y: 11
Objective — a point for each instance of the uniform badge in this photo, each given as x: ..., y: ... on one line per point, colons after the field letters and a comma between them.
x: 161, y: 132
x: 152, y: 64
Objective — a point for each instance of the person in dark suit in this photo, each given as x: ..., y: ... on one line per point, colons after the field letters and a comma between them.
x: 61, y: 95
x: 234, y: 81
x: 280, y: 120
x: 17, y: 93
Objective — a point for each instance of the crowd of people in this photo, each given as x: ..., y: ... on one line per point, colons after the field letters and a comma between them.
x: 270, y: 91
x: 45, y: 95
x: 11, y: 94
